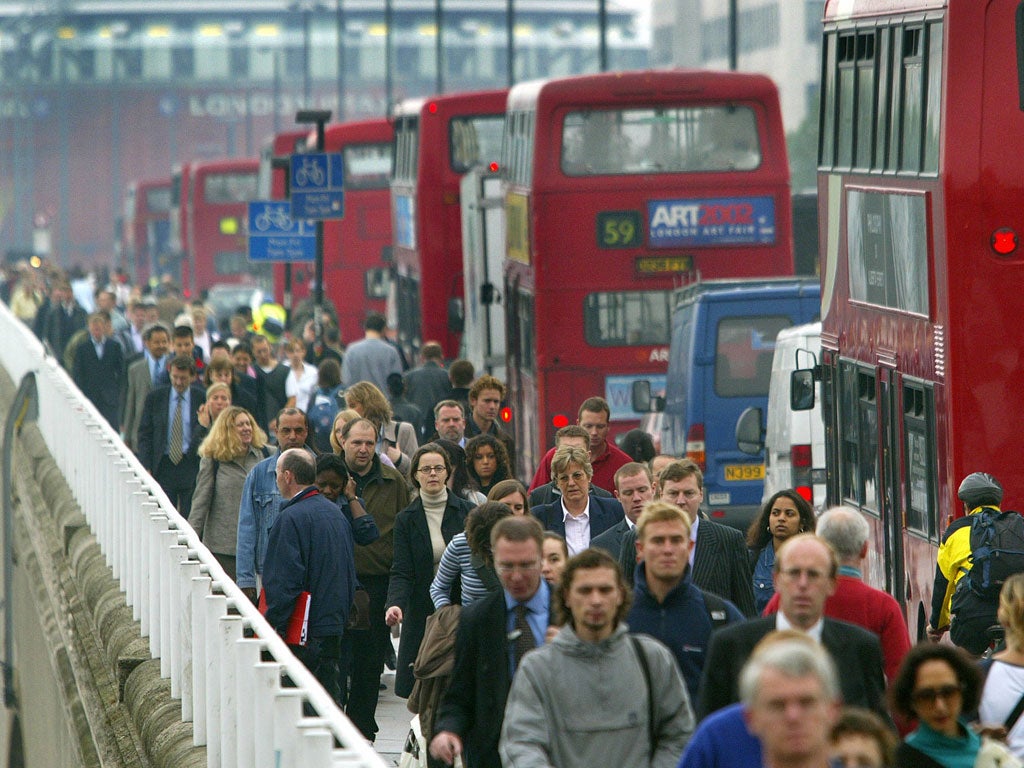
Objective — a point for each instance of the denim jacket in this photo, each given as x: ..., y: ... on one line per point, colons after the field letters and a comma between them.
x: 261, y: 502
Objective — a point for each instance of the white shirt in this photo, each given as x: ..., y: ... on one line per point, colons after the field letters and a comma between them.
x: 577, y: 529
x: 1003, y: 688
x: 782, y: 623
x: 693, y: 537
x: 301, y: 387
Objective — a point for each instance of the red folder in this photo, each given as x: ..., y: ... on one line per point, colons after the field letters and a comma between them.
x: 297, y: 631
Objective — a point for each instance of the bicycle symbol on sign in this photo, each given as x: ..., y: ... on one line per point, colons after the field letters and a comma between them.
x: 273, y: 216
x: 310, y: 173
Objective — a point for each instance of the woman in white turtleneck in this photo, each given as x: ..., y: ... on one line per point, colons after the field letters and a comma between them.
x: 422, y: 531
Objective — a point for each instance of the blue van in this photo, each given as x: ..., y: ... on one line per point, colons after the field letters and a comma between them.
x: 720, y: 363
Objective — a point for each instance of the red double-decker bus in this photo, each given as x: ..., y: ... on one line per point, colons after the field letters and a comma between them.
x: 922, y: 211
x: 619, y: 187
x: 218, y: 191
x: 145, y: 247
x: 436, y: 141
x: 357, y: 247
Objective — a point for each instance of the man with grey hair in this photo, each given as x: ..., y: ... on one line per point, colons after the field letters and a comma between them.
x: 309, y: 564
x: 847, y: 532
x: 791, y: 696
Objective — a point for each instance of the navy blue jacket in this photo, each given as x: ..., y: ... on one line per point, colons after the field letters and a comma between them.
x: 604, y: 513
x: 310, y: 549
x: 682, y: 623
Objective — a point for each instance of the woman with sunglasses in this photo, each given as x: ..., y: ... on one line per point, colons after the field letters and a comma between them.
x: 939, y: 685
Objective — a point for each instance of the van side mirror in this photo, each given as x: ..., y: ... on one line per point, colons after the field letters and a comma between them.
x: 801, y: 389
x: 749, y: 432
x: 642, y: 399
x: 456, y: 315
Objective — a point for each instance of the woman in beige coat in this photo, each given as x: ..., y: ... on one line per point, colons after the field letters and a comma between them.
x: 234, y: 446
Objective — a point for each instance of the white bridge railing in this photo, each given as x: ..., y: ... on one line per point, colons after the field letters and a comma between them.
x: 194, y: 616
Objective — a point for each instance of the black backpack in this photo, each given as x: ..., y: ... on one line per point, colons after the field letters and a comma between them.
x: 997, y: 551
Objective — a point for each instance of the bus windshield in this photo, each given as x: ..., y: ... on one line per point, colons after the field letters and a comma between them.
x: 673, y: 140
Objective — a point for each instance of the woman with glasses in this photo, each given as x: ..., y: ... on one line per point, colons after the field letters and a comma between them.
x: 784, y: 515
x: 938, y: 685
x: 422, y: 531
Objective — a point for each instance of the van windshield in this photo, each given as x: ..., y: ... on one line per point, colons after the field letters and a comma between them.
x: 744, y: 347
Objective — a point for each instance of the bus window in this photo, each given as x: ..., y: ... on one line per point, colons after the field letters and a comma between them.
x: 627, y: 318
x: 475, y: 140
x: 608, y: 142
x: 858, y: 432
x: 229, y: 188
x: 918, y: 451
x: 367, y: 166
x: 158, y: 200
x: 744, y: 347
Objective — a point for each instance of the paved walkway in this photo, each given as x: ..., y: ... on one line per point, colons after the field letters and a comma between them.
x: 393, y: 720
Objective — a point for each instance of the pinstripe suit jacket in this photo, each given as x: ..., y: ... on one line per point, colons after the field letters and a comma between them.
x: 721, y: 565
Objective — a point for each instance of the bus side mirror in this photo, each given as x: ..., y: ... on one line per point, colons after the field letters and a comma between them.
x: 643, y: 401
x: 749, y: 432
x: 456, y: 315
x: 801, y: 389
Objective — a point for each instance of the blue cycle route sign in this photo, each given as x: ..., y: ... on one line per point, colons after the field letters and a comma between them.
x: 317, y: 186
x: 275, y: 236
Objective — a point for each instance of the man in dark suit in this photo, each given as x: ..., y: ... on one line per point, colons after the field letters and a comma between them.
x: 62, y: 319
x: 99, y: 370
x: 634, y: 487
x: 719, y: 562
x: 469, y: 718
x: 427, y: 385
x: 577, y: 516
x: 165, y: 452
x: 805, y: 575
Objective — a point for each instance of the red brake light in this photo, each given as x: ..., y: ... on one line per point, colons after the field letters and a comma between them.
x: 560, y: 420
x: 800, y: 455
x: 432, y: 108
x: 494, y: 167
x: 506, y: 414
x: 1004, y: 241
x: 695, y: 445
x: 807, y: 494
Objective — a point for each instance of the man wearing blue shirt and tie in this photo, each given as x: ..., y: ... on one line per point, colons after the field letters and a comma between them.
x: 163, y: 439
x: 494, y: 633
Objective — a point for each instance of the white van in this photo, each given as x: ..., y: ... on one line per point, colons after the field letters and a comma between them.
x: 794, y: 441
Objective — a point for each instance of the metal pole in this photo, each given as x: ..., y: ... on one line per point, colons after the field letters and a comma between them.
x: 602, y: 25
x: 510, y: 35
x: 438, y: 49
x: 733, y: 36
x: 339, y: 25
x: 388, y: 95
x: 305, y: 58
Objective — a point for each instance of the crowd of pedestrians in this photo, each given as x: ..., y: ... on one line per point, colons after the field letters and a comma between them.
x: 595, y: 617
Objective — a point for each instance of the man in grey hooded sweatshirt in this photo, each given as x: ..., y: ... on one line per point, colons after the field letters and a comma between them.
x: 587, y: 698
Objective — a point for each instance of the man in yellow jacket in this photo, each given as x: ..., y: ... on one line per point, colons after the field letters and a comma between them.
x: 978, y: 491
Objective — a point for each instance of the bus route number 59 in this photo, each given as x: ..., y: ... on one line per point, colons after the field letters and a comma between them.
x: 618, y: 229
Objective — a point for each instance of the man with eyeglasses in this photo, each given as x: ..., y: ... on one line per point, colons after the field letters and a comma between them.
x: 719, y: 562
x: 805, y: 576
x: 847, y: 532
x: 491, y: 640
